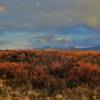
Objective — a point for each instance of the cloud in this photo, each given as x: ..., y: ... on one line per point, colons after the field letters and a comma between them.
x: 2, y: 8
x: 21, y: 18
x: 3, y: 42
x: 42, y: 39
x: 93, y: 37
x: 37, y: 14
x: 58, y: 40
x: 92, y: 21
x: 16, y: 40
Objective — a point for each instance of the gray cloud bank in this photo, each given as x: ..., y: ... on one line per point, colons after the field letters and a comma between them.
x: 31, y: 14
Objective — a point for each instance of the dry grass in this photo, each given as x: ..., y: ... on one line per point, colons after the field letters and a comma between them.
x: 7, y: 92
x: 49, y: 75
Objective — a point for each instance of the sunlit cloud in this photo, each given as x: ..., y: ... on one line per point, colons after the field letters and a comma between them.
x: 2, y: 8
x: 92, y: 21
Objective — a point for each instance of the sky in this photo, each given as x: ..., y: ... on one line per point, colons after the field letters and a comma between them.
x: 27, y: 24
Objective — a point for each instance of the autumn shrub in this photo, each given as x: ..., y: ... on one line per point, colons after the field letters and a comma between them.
x: 53, y: 85
x: 56, y: 68
x: 52, y: 70
x: 83, y: 73
x: 14, y: 70
x: 91, y: 73
x: 38, y: 75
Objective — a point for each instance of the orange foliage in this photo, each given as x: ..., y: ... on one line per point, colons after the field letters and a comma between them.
x: 51, y: 67
x: 12, y: 69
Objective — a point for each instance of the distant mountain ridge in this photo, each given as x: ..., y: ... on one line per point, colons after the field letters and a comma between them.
x: 96, y: 48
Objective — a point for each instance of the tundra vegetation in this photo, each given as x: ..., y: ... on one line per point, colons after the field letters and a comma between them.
x: 49, y: 75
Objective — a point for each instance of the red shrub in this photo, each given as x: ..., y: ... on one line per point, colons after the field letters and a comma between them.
x: 51, y: 68
x: 19, y: 70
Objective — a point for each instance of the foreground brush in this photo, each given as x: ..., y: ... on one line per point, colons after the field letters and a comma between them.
x: 49, y: 75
